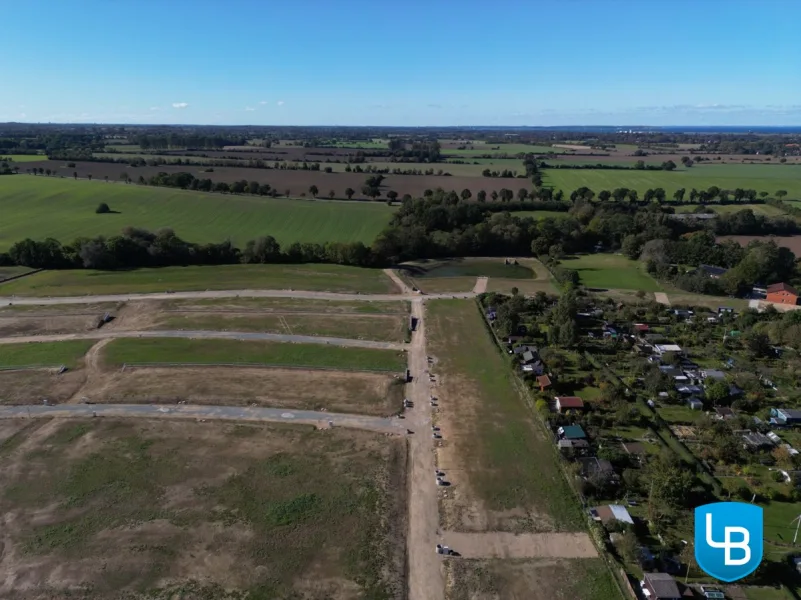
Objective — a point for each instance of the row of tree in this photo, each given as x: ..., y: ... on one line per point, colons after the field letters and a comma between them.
x: 135, y: 248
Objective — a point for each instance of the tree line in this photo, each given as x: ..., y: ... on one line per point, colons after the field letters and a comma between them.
x: 136, y: 248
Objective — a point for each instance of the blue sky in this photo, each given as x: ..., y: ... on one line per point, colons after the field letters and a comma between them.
x: 414, y: 62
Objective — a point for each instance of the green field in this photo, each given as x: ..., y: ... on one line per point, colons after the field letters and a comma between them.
x: 48, y: 354
x: 186, y: 351
x: 611, y: 271
x: 331, y: 278
x: 207, y: 511
x: 7, y: 272
x: 40, y: 207
x: 21, y: 158
x: 481, y: 149
x: 725, y: 209
x: 507, y: 461
x: 768, y: 178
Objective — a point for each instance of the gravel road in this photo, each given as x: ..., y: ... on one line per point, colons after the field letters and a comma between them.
x: 217, y: 413
x: 206, y: 335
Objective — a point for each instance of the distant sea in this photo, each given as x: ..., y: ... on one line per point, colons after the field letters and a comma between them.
x: 652, y: 129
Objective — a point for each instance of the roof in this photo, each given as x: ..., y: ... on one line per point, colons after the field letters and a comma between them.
x: 591, y: 465
x: 570, y: 402
x: 528, y: 356
x: 724, y: 411
x: 668, y: 347
x: 782, y: 287
x: 664, y: 585
x: 613, y: 512
x: 757, y: 439
x: 694, y: 402
x: 713, y: 374
x: 641, y: 327
x: 712, y: 270
x: 633, y: 447
x: 543, y: 381
x: 573, y: 432
x: 573, y: 444
x: 791, y: 413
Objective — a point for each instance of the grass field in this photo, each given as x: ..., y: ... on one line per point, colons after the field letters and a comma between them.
x: 40, y: 207
x: 187, y: 351
x: 497, y: 164
x: 7, y: 272
x: 768, y: 178
x: 383, y: 328
x: 612, y: 271
x: 585, y: 579
x: 22, y: 158
x: 209, y: 511
x: 725, y: 209
x: 49, y: 354
x: 332, y: 278
x: 480, y: 149
x: 509, y: 479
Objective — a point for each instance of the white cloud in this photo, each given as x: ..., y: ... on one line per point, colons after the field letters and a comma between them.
x: 263, y: 102
x: 22, y: 115
x: 280, y: 103
x: 249, y: 108
x: 180, y: 104
x: 155, y: 108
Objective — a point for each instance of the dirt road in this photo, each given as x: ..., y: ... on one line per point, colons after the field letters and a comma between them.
x: 100, y: 334
x: 662, y: 298
x: 498, y: 544
x: 426, y: 580
x: 393, y: 275
x: 209, y: 413
x: 481, y: 285
x: 43, y: 301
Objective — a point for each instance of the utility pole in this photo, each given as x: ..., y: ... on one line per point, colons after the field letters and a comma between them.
x: 797, y: 522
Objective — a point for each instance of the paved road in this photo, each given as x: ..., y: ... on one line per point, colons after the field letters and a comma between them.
x: 101, y: 334
x: 426, y: 579
x: 43, y: 301
x: 216, y: 413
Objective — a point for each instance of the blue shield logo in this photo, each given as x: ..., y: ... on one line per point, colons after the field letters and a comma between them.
x: 728, y: 539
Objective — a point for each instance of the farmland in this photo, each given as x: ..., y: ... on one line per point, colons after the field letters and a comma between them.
x: 188, y: 351
x: 40, y: 207
x: 332, y: 278
x: 769, y: 178
x: 201, y: 510
x: 611, y: 271
x: 49, y: 354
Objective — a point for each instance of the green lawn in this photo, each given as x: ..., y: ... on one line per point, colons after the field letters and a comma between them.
x: 48, y: 354
x: 7, y: 272
x: 21, y: 158
x: 768, y: 178
x: 504, y: 457
x: 186, y: 351
x: 332, y: 278
x: 40, y: 207
x: 611, y: 271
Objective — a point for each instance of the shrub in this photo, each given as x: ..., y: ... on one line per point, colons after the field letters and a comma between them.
x: 102, y: 208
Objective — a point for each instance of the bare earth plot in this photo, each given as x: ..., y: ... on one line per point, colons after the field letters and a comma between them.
x: 105, y: 508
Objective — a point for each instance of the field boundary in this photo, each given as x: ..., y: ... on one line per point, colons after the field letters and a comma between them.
x: 7, y: 369
x: 135, y: 365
